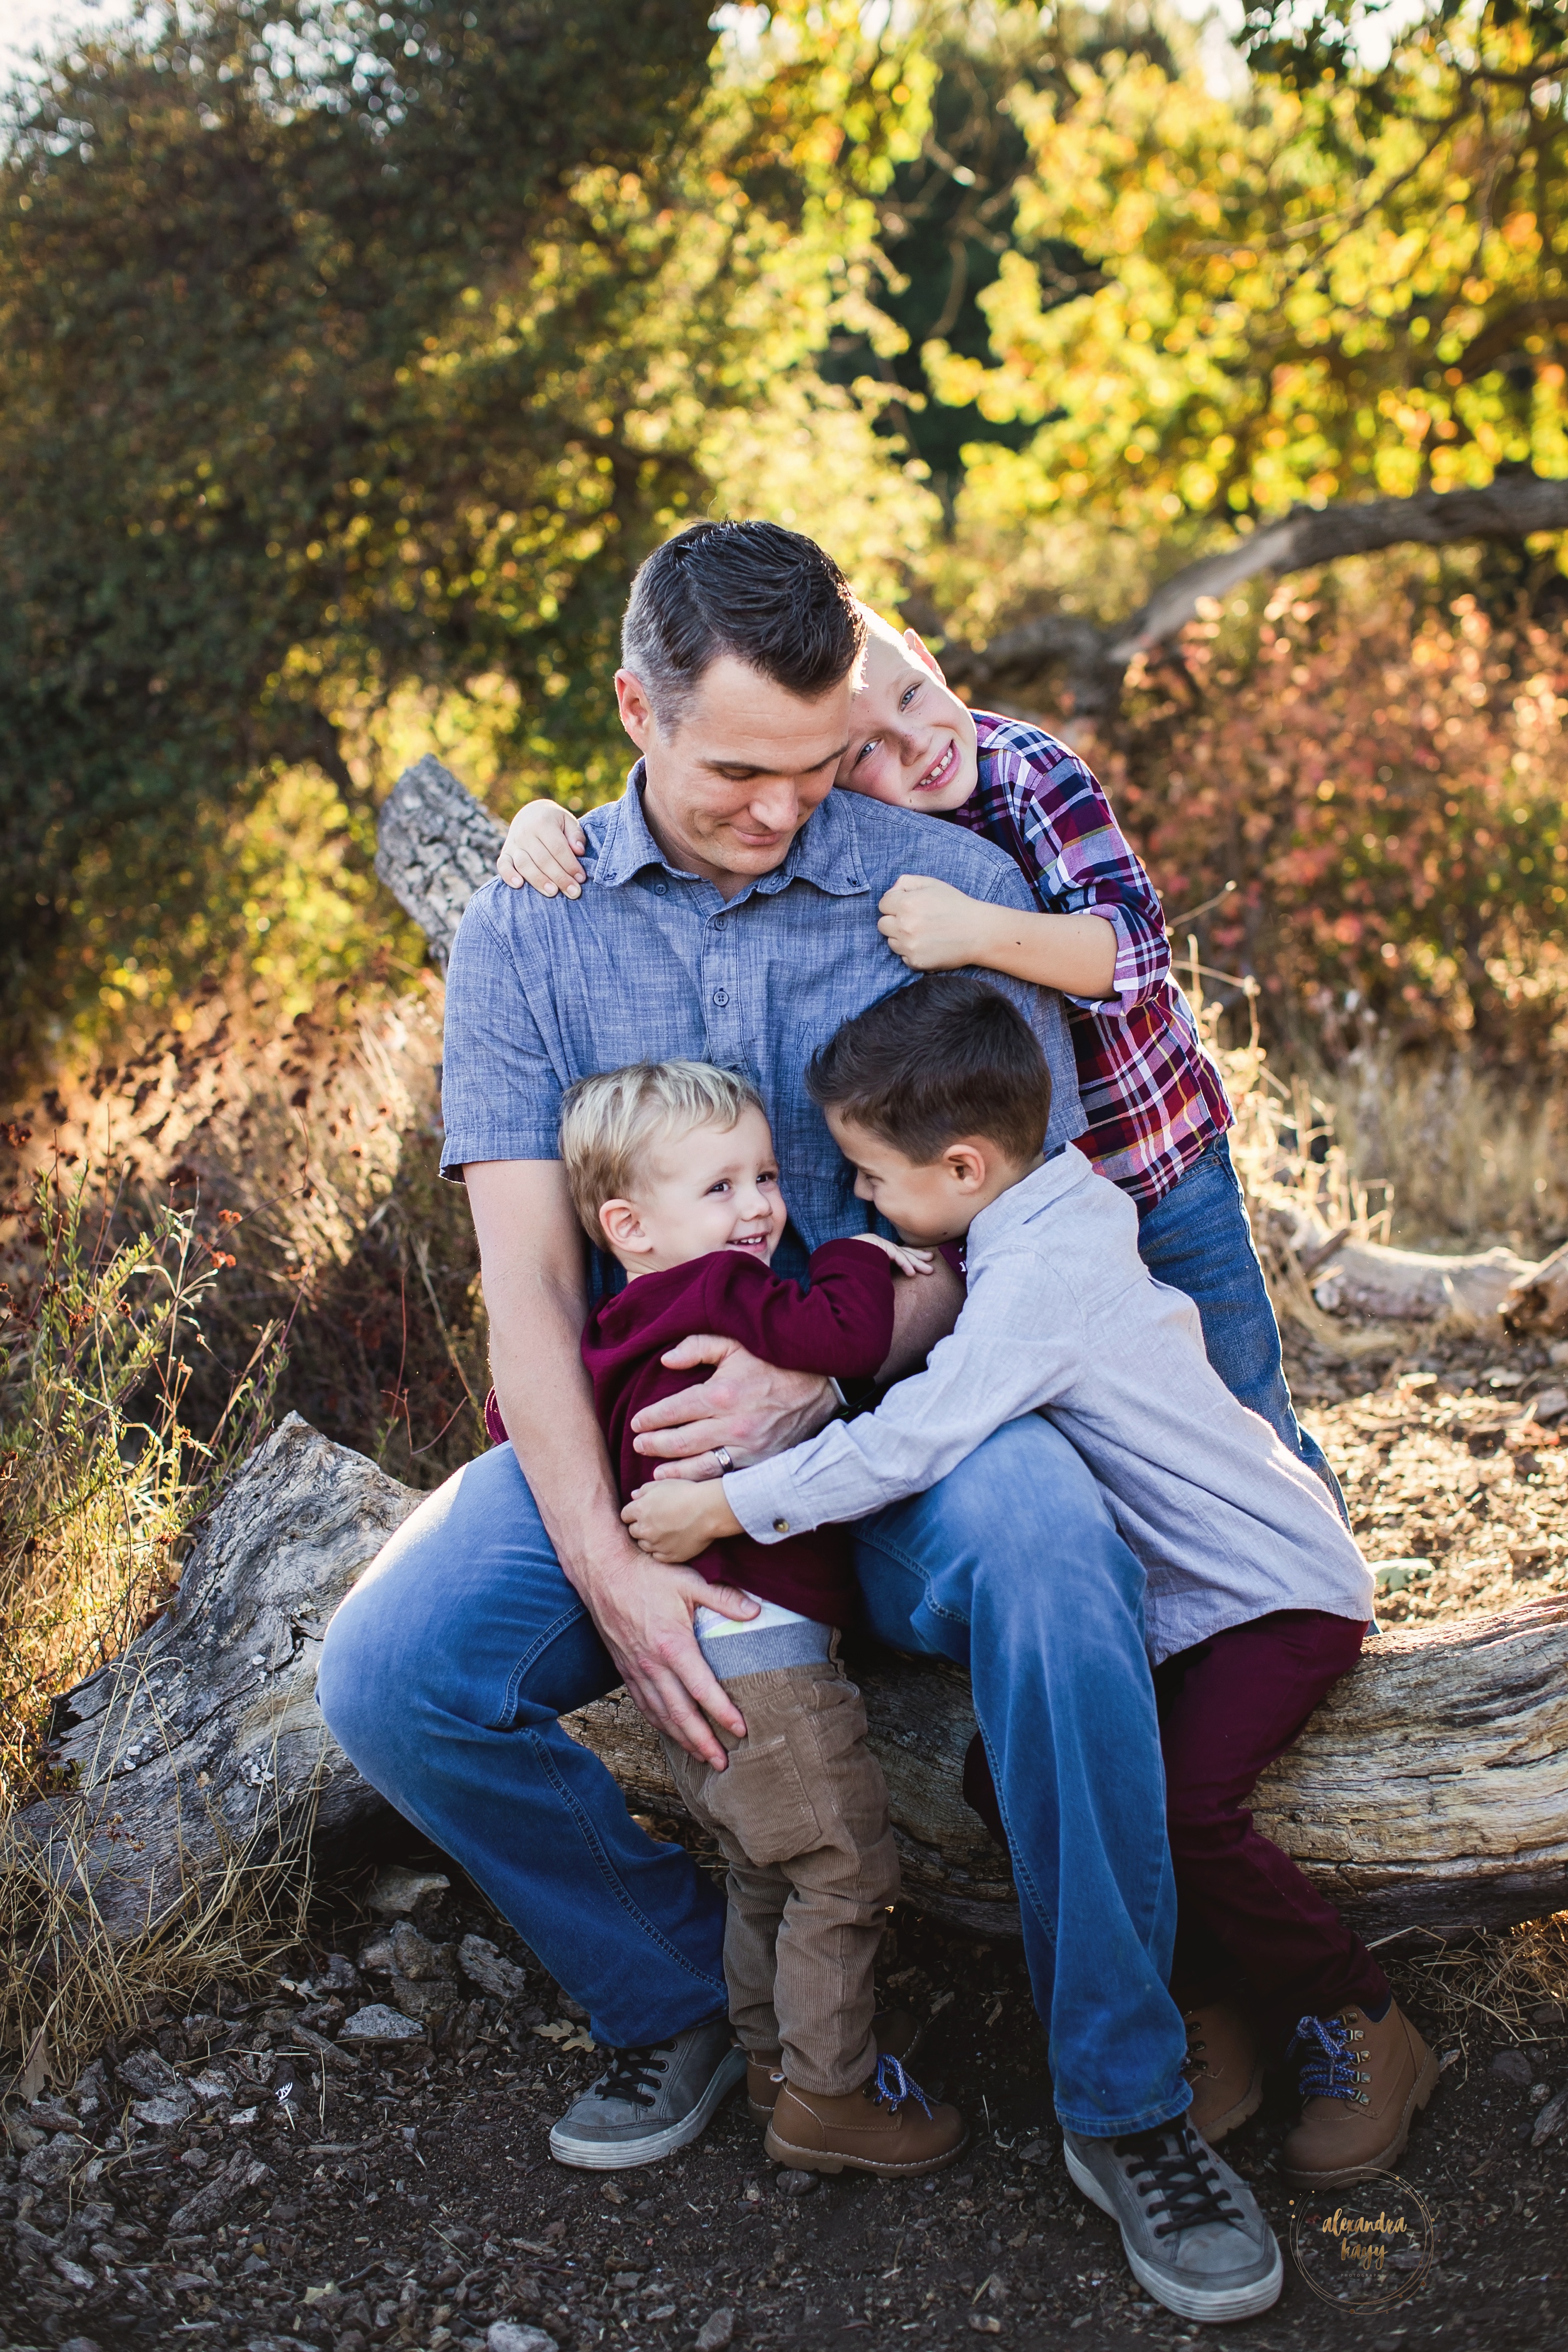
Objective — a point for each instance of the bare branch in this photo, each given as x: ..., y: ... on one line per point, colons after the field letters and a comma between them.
x: 1513, y: 507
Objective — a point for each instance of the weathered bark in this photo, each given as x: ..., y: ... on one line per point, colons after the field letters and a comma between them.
x: 1094, y: 659
x: 435, y: 844
x: 1430, y: 1790
x: 1536, y: 1301
x: 1365, y: 1281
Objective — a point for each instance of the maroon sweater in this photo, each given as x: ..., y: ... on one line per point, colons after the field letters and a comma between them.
x: 842, y: 1326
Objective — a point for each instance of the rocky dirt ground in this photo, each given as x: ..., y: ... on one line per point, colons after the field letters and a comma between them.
x: 266, y: 2174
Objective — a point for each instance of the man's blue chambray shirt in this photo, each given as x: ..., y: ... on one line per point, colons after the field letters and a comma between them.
x: 652, y: 964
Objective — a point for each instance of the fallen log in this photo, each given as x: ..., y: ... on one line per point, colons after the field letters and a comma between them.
x: 1536, y: 1302
x: 1430, y: 1790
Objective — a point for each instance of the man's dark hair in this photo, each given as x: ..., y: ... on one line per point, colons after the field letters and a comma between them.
x: 943, y: 1059
x: 769, y: 596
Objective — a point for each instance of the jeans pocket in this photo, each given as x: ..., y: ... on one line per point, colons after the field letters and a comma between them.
x: 761, y: 1800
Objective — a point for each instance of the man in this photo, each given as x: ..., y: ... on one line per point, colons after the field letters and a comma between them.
x: 730, y: 916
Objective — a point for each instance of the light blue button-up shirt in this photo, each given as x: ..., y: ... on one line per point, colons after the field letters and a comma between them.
x: 652, y: 964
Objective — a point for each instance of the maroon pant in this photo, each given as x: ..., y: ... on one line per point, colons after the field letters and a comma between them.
x: 1247, y: 1920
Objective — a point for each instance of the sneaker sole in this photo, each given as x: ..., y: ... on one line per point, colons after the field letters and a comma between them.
x: 625, y: 2155
x: 1195, y: 2303
x: 1420, y: 2090
x: 812, y: 2159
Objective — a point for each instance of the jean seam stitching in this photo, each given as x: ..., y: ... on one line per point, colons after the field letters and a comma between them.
x: 530, y: 1657
x: 611, y: 1876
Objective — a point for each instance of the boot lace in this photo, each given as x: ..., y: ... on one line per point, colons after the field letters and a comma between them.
x: 1174, y: 2174
x: 1194, y: 2063
x: 635, y: 2075
x: 1331, y: 2068
x: 892, y: 2085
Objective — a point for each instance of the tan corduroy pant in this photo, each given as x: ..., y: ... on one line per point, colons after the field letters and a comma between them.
x: 801, y: 1813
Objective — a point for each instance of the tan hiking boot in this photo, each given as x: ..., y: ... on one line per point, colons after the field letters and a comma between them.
x: 1225, y: 2067
x: 899, y: 2032
x: 1363, y: 2083
x: 887, y: 2126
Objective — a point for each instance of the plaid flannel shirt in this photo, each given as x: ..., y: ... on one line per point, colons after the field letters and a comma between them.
x: 1152, y: 1097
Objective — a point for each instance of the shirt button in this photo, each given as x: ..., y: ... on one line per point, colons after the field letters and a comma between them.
x: 780, y: 1527
x: 721, y: 996
x: 661, y: 889
x: 718, y: 922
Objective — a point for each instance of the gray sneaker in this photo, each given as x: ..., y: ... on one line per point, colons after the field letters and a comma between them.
x: 649, y: 2102
x: 1190, y: 2229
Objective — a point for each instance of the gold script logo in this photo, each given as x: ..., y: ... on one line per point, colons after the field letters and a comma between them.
x: 1365, y: 2245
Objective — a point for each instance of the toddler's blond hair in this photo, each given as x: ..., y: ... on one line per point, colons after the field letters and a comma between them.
x: 610, y: 1123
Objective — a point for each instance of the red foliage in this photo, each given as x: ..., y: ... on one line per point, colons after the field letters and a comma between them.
x: 1387, y: 794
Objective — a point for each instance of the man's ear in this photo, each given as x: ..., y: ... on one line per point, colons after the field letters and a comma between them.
x: 636, y: 708
x: 922, y: 653
x: 967, y: 1164
x: 621, y: 1224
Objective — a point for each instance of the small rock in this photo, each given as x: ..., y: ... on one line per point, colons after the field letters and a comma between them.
x: 74, y: 2275
x: 1550, y: 1405
x: 575, y: 2010
x: 1511, y: 2067
x: 376, y: 1952
x: 1548, y: 2017
x: 798, y: 2184
x: 506, y: 2335
x: 430, y: 1999
x: 82, y: 2343
x: 91, y: 2090
x: 1552, y: 2118
x: 212, y: 2086
x: 54, y: 2160
x: 489, y: 1968
x: 165, y: 2114
x: 376, y: 2023
x: 396, y: 1892
x: 716, y: 2330
x: 194, y: 2160
x: 243, y: 2119
x: 340, y: 1973
x: 983, y: 2323
x: 148, y: 2073
x: 414, y: 1956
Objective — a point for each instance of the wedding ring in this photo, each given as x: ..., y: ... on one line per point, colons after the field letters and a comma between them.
x: 721, y: 1455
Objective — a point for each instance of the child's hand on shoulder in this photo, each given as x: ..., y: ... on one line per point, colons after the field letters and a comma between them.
x: 905, y: 1259
x: 930, y: 926
x: 541, y: 849
x: 678, y: 1518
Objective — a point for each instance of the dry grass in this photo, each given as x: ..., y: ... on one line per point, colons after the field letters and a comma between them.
x: 1475, y: 1989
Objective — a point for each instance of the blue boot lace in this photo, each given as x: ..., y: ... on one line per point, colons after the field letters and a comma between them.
x: 895, y: 2087
x: 1331, y: 2067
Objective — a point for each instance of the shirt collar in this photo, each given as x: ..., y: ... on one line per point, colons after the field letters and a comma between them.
x: 1066, y: 1168
x: 826, y: 852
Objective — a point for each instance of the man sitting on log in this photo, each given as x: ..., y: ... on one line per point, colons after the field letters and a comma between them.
x: 730, y: 915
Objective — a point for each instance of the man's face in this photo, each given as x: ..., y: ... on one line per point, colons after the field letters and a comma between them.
x: 731, y: 785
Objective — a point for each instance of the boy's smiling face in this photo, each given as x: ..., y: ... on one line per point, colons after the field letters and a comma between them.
x: 707, y: 1188
x: 912, y: 742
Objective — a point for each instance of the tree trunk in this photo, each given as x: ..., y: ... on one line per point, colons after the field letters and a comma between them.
x: 1429, y: 1790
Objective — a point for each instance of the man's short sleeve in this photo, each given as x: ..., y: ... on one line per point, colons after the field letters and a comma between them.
x: 501, y: 1089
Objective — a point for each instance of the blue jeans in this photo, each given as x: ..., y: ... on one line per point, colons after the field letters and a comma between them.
x: 445, y: 1670
x: 1198, y: 1239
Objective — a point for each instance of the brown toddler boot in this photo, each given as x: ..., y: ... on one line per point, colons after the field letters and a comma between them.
x: 1225, y: 2067
x: 1363, y: 2083
x: 899, y: 2035
x: 887, y: 2126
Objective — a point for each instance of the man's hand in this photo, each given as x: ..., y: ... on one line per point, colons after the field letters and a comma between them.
x: 931, y: 926
x: 750, y: 1409
x: 679, y: 1518
x: 643, y: 1618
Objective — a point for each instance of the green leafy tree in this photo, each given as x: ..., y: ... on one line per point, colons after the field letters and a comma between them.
x: 344, y: 351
